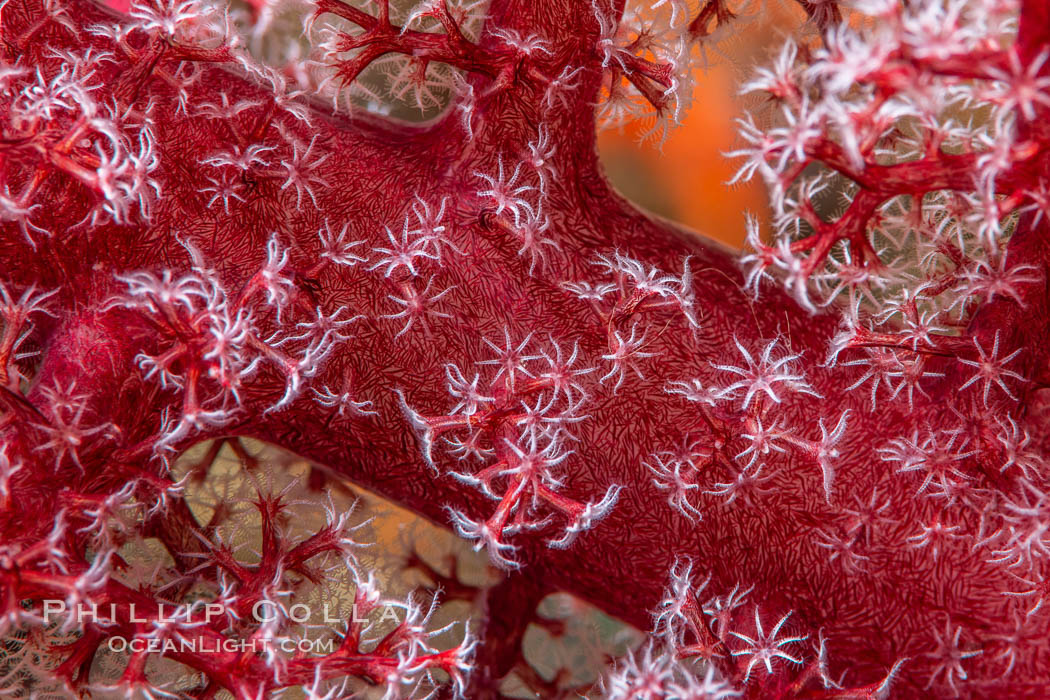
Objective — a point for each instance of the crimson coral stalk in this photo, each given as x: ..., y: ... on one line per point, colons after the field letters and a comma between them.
x: 466, y: 318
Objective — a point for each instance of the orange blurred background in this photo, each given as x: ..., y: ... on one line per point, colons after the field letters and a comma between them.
x: 685, y: 180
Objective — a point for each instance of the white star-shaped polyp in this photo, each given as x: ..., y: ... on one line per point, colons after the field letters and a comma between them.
x: 991, y: 370
x: 764, y: 648
x: 764, y: 376
x: 949, y: 657
x: 510, y: 359
x: 484, y: 537
x: 505, y: 193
